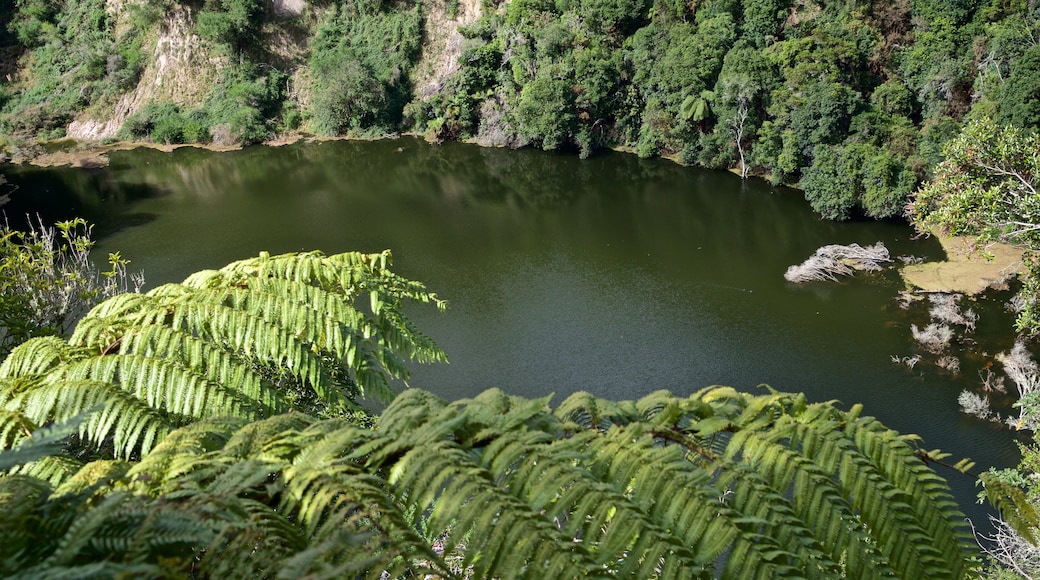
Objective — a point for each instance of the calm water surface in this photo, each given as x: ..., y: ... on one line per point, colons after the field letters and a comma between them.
x: 613, y: 275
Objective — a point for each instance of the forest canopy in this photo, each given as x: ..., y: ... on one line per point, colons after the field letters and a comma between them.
x: 853, y: 101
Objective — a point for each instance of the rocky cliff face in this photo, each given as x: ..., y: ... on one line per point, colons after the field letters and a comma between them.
x: 182, y: 68
x: 442, y: 44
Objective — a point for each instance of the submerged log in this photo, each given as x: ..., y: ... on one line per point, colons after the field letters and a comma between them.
x: 833, y: 261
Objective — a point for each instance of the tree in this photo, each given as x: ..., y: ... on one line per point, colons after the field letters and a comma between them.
x: 545, y: 108
x: 1020, y: 96
x: 987, y: 188
x: 762, y: 20
x: 360, y: 58
x: 744, y: 82
x: 831, y: 183
x: 348, y: 97
x: 738, y: 91
x: 887, y: 184
x: 234, y: 23
x: 935, y: 67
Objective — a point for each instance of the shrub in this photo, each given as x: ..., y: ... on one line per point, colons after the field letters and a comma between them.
x: 164, y: 123
x: 76, y: 61
x: 361, y: 57
x: 244, y: 102
x: 47, y: 280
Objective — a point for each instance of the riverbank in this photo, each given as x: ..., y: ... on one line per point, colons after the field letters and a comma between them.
x: 87, y: 154
x: 91, y: 155
x: 967, y: 269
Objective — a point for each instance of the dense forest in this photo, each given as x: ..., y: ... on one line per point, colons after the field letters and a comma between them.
x: 851, y: 100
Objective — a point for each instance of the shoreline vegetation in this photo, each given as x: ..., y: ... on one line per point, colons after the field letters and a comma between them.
x: 853, y: 104
x: 968, y: 269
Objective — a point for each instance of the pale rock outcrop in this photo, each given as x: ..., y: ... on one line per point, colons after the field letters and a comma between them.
x: 180, y: 70
x: 286, y: 8
x: 443, y: 46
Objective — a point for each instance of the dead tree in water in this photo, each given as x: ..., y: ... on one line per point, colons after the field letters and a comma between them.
x: 830, y: 262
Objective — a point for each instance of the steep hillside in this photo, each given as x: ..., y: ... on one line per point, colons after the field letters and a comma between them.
x: 179, y: 69
x: 852, y: 100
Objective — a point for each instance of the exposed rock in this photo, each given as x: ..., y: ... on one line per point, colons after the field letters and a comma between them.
x: 181, y: 71
x: 287, y: 7
x: 443, y: 46
x: 87, y: 159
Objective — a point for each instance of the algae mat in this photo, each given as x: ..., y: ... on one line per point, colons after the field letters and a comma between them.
x: 968, y: 268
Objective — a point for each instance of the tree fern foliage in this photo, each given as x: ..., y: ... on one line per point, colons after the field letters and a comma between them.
x: 717, y: 484
x: 213, y: 438
x: 254, y: 339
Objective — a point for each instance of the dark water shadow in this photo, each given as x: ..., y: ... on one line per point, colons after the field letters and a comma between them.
x: 63, y: 193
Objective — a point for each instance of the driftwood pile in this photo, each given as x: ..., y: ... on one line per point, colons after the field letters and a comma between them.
x: 833, y: 261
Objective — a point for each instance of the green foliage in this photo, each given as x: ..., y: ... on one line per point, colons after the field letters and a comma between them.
x: 842, y: 179
x: 893, y: 98
x: 987, y: 188
x: 887, y: 184
x: 656, y: 77
x: 47, y: 280
x: 232, y: 23
x: 612, y: 17
x: 956, y: 11
x: 76, y: 61
x: 1020, y: 94
x: 717, y: 484
x: 166, y: 123
x: 361, y: 58
x: 453, y: 113
x: 762, y: 20
x: 545, y: 109
x: 830, y: 183
x: 199, y: 471
x: 33, y: 21
x: 242, y: 106
x: 894, y: 77
x: 258, y: 337
x: 936, y: 67
x: 239, y: 110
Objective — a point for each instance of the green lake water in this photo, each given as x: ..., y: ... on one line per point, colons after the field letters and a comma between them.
x: 613, y: 275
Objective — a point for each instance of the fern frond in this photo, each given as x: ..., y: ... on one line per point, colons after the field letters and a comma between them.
x: 513, y: 488
x: 37, y: 356
x: 179, y: 451
x: 205, y: 357
x: 33, y: 444
x: 191, y: 377
x: 83, y: 529
x: 1013, y: 505
x: 132, y: 424
x: 88, y: 476
x: 226, y: 342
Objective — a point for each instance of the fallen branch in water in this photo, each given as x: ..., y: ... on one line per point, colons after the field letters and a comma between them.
x: 830, y: 262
